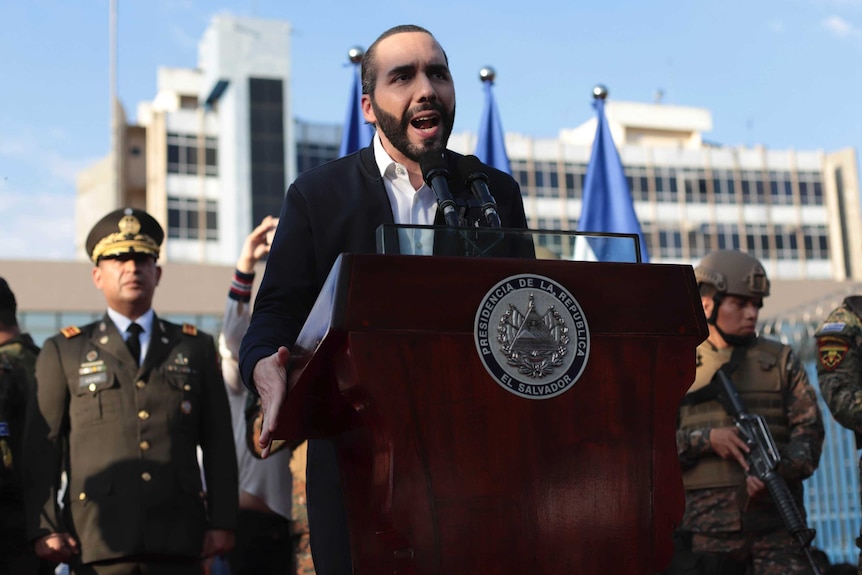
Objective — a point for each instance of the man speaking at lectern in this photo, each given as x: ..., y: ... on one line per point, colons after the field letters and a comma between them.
x: 409, y: 96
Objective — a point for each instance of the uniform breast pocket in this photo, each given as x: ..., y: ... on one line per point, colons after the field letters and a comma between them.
x: 96, y: 399
x: 185, y: 385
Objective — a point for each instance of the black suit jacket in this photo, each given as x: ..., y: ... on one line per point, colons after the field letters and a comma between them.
x: 127, y: 438
x: 329, y: 210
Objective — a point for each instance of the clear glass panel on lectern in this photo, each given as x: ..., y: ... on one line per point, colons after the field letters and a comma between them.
x: 505, y: 242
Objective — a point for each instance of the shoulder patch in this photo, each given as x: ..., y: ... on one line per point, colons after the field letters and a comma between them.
x: 832, y: 326
x: 189, y: 329
x: 831, y: 351
x: 70, y: 331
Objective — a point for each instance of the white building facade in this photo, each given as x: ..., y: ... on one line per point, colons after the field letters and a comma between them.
x: 797, y: 211
x: 217, y: 143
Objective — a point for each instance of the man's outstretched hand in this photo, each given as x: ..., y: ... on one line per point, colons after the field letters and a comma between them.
x: 270, y: 380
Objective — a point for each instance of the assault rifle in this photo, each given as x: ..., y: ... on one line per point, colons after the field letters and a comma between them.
x: 763, y: 459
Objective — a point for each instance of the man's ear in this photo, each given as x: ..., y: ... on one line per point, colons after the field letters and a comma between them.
x: 97, y: 277
x: 368, y: 109
x: 158, y: 274
x: 708, y: 304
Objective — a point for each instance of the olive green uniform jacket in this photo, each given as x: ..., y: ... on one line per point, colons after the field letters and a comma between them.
x: 127, y: 438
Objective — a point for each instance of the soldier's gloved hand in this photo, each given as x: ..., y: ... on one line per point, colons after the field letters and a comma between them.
x: 270, y: 380
x: 56, y: 547
x: 727, y: 444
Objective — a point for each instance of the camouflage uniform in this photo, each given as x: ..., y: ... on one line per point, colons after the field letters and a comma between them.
x: 304, y: 563
x: 839, y: 344
x: 17, y: 373
x: 722, y: 519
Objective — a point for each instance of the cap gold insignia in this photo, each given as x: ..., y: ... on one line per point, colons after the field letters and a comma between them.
x: 186, y: 407
x: 128, y: 238
x: 129, y: 225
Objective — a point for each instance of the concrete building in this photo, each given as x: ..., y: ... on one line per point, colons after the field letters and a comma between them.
x: 212, y: 153
x: 797, y: 211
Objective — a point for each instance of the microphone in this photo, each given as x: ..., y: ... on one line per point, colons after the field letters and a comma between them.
x: 477, y: 181
x: 436, y: 175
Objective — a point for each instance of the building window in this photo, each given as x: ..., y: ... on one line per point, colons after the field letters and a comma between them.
x: 268, y: 141
x: 695, y: 187
x: 310, y: 155
x: 636, y: 178
x: 786, y: 242
x: 727, y: 236
x: 547, y: 180
x: 522, y: 177
x: 810, y: 189
x: 186, y: 222
x: 666, y: 185
x: 752, y: 188
x: 670, y: 243
x: 188, y: 102
x: 757, y: 240
x: 780, y: 188
x: 723, y: 187
x: 574, y: 179
x: 816, y: 242
x: 183, y: 154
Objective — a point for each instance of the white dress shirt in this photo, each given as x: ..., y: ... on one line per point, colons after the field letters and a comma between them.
x: 145, y: 321
x: 409, y: 205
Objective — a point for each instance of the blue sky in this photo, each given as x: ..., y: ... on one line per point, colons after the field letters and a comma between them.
x: 778, y: 73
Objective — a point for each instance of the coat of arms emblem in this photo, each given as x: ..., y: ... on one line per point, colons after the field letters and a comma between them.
x: 532, y: 336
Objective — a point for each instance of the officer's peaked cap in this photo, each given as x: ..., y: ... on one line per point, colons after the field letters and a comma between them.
x: 123, y: 231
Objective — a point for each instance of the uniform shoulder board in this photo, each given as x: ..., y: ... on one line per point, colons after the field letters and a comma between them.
x: 70, y: 331
x: 189, y: 329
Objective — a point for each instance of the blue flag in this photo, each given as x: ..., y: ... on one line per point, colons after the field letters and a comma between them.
x: 357, y: 133
x: 491, y: 145
x: 607, y: 205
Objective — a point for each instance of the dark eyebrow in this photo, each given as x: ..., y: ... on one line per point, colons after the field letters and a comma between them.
x: 404, y: 69
x: 437, y: 68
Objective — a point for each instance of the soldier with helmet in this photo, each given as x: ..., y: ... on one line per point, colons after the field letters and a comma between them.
x: 121, y: 406
x: 17, y: 374
x: 730, y: 520
x: 839, y: 369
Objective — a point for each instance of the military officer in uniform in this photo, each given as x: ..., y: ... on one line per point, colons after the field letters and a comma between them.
x: 121, y: 405
x: 729, y: 515
x: 839, y: 369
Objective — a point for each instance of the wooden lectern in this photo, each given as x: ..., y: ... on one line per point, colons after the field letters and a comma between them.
x: 447, y: 472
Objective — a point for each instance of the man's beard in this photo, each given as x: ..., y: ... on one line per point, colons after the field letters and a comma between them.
x: 395, y: 130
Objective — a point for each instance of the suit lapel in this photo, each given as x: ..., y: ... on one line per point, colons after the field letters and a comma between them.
x: 161, y: 344
x: 108, y: 338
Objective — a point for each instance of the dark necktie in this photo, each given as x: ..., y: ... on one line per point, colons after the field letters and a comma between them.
x: 133, y: 342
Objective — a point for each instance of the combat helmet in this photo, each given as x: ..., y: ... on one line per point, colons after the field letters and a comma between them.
x: 733, y: 272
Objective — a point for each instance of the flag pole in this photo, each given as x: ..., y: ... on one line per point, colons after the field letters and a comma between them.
x: 357, y: 133
x: 491, y: 142
x: 607, y: 204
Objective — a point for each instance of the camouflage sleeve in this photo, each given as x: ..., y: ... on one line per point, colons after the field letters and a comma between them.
x: 691, y: 445
x: 839, y: 366
x: 801, y: 455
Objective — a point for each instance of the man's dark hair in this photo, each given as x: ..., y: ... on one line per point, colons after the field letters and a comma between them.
x: 369, y: 61
x: 8, y: 305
